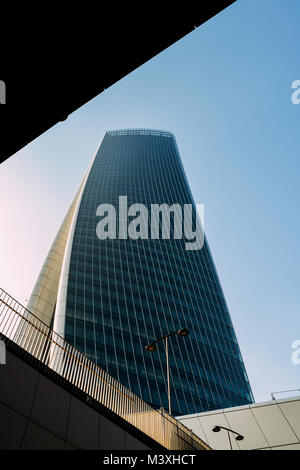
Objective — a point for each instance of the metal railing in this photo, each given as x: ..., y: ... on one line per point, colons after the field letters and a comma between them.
x: 24, y: 329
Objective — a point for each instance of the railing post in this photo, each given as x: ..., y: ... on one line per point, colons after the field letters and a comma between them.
x: 163, y: 424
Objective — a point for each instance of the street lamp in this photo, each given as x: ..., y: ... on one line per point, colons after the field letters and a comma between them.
x: 152, y: 347
x: 239, y: 437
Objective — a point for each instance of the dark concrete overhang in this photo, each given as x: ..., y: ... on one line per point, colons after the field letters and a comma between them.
x: 53, y: 62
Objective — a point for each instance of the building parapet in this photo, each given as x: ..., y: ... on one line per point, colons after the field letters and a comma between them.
x: 154, y: 132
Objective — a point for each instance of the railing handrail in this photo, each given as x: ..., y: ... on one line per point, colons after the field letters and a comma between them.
x: 25, y: 329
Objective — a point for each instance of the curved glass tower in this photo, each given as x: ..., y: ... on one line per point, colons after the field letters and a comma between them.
x: 111, y: 297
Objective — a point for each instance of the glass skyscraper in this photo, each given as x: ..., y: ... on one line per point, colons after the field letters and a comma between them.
x: 111, y: 297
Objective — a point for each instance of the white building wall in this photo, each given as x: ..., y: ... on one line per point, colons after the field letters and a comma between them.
x: 273, y: 425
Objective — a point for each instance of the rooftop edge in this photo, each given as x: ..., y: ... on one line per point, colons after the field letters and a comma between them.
x: 154, y: 132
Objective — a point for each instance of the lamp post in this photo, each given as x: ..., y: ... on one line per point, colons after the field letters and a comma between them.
x: 152, y: 347
x: 239, y: 437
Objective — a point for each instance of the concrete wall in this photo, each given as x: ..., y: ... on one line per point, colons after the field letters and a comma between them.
x: 36, y: 413
x: 273, y: 425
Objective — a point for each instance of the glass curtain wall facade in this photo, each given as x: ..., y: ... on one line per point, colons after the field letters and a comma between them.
x: 115, y: 296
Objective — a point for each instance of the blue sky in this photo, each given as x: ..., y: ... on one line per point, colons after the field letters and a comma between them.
x: 225, y: 92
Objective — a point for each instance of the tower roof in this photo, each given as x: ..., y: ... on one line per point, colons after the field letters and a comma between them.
x: 141, y: 131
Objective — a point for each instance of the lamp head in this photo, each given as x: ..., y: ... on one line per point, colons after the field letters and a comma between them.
x: 183, y: 332
x: 151, y: 347
x: 239, y: 437
x: 216, y: 429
